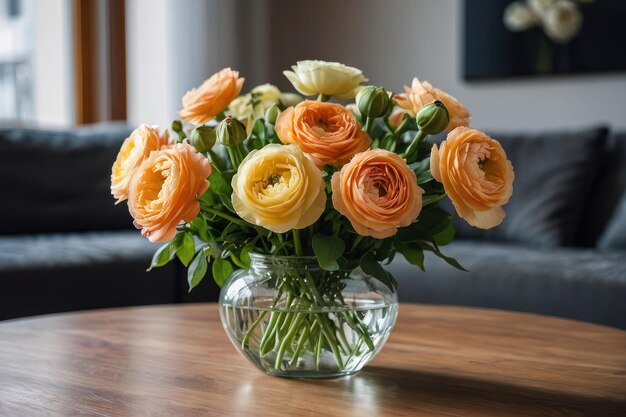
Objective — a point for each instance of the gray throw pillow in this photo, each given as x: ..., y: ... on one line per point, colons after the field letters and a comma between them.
x: 553, y: 177
x: 614, y: 237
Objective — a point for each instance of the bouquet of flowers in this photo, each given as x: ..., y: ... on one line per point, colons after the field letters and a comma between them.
x: 346, y: 185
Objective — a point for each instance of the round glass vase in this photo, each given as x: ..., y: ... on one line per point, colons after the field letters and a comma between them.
x: 291, y: 318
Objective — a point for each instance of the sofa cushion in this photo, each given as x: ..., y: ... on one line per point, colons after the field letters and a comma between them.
x: 577, y: 283
x: 604, y: 216
x: 74, y: 249
x: 554, y: 173
x: 614, y: 238
x: 59, y: 181
x: 75, y: 271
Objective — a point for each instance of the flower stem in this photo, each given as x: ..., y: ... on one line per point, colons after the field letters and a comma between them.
x: 323, y: 97
x: 297, y: 242
x: 411, y: 151
x: 286, y: 340
x: 356, y: 242
x: 226, y: 216
x: 369, y: 123
x: 301, y: 342
x: 233, y: 157
x: 246, y: 338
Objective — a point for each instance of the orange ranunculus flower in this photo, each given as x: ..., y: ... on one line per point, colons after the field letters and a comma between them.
x: 423, y: 93
x: 214, y: 95
x: 377, y: 192
x: 164, y: 190
x: 134, y: 150
x: 327, y: 131
x: 476, y: 175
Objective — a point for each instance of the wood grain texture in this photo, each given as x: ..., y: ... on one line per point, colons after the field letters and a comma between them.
x: 439, y: 361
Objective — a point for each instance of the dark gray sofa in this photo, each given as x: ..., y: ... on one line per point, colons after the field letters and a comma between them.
x: 562, y: 248
x: 64, y: 245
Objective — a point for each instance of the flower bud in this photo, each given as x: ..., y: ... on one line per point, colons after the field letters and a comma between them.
x: 372, y: 101
x: 231, y: 132
x: 177, y: 127
x: 271, y: 114
x: 433, y: 118
x: 203, y: 138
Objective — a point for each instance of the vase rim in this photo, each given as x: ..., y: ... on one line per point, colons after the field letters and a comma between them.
x: 308, y: 262
x: 259, y: 260
x: 259, y: 256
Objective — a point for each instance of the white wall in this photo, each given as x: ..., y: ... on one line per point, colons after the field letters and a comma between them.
x: 52, y: 59
x: 516, y: 104
x: 174, y: 45
x: 394, y: 40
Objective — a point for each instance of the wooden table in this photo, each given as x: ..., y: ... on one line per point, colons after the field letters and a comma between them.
x: 439, y: 361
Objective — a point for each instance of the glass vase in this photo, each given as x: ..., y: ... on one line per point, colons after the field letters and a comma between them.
x: 291, y: 318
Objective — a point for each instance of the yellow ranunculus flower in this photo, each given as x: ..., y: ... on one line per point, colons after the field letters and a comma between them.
x: 330, y: 78
x: 279, y: 188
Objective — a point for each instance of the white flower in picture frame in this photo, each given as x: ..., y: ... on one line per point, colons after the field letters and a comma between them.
x: 518, y: 17
x: 562, y: 22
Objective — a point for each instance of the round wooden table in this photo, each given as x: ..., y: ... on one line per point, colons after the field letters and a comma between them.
x: 439, y: 361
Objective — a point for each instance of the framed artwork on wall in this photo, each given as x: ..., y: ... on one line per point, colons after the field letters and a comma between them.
x: 520, y: 38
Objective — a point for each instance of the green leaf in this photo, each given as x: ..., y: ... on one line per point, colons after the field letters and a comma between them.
x: 449, y: 260
x: 328, y: 249
x: 219, y: 185
x: 162, y: 256
x: 420, y: 166
x: 222, y: 269
x: 412, y: 253
x: 411, y: 233
x: 385, y: 249
x: 244, y: 256
x: 434, y: 220
x: 201, y: 228
x: 259, y: 129
x: 424, y: 177
x: 185, y: 247
x: 445, y: 236
x: 197, y: 270
x: 372, y: 267
x: 427, y: 201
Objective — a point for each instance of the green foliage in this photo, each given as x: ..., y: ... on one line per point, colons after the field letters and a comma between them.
x: 371, y: 266
x: 197, y: 270
x: 433, y: 229
x: 222, y: 268
x: 185, y: 247
x: 162, y: 256
x: 328, y: 249
x: 412, y: 252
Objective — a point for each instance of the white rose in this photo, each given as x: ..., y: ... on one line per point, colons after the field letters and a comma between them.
x: 329, y: 78
x: 518, y: 17
x: 540, y: 7
x: 241, y: 107
x: 562, y: 22
x: 258, y: 101
x: 266, y: 92
x: 290, y: 99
